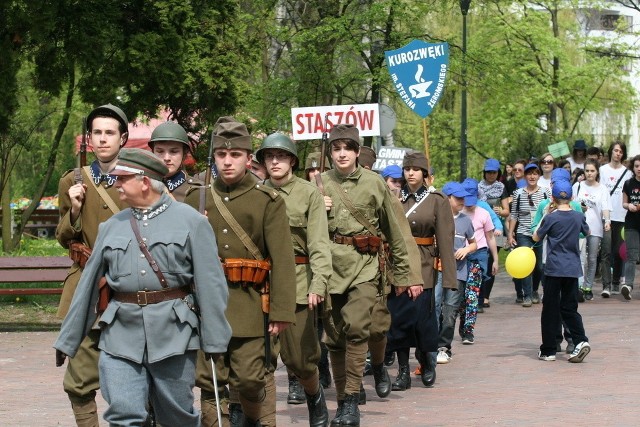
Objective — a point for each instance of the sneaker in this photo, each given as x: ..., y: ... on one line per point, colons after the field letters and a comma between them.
x: 580, y: 295
x: 606, y: 292
x: 588, y: 295
x: 626, y: 292
x: 580, y: 352
x: 468, y: 339
x: 519, y: 300
x: 546, y: 357
x: 615, y: 289
x: 535, y: 297
x: 526, y: 302
x: 443, y: 357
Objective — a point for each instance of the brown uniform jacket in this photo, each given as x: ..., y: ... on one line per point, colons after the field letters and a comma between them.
x: 180, y: 185
x: 261, y: 212
x: 94, y: 212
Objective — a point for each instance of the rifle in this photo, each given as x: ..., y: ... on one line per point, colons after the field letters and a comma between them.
x: 207, y: 177
x: 264, y: 298
x: 323, y: 152
x: 82, y: 155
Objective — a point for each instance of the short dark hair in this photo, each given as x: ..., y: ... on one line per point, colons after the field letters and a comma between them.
x: 594, y: 151
x: 632, y: 161
x: 623, y: 147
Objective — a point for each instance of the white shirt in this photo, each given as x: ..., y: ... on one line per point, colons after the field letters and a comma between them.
x: 575, y: 164
x: 609, y: 177
x: 597, y: 199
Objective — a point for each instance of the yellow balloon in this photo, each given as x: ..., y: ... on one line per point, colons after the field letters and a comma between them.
x: 520, y: 262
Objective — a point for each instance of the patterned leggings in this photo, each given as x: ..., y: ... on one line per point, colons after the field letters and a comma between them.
x: 469, y: 306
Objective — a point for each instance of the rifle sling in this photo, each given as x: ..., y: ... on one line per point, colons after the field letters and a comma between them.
x: 147, y: 254
x: 237, y: 228
x: 354, y: 211
x: 102, y: 192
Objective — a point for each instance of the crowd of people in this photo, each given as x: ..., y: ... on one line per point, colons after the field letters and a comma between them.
x: 209, y: 281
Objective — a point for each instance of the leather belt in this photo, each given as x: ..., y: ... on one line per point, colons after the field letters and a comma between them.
x: 424, y: 241
x: 143, y: 298
x: 302, y: 259
x: 342, y: 240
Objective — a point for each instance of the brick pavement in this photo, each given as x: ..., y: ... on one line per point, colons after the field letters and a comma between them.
x: 497, y: 381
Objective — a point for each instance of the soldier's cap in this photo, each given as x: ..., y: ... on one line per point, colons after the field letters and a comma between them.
x: 136, y: 161
x: 229, y: 133
x: 108, y: 110
x: 392, y: 171
x: 313, y: 161
x: 560, y: 174
x: 562, y: 190
x: 367, y: 157
x: 344, y: 131
x: 416, y: 159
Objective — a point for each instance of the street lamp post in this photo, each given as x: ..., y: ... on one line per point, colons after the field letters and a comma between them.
x: 464, y: 8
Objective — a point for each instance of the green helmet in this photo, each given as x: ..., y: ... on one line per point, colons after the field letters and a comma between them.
x: 108, y: 110
x: 279, y: 141
x: 169, y: 131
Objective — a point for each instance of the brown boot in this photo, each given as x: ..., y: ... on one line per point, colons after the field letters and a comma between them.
x: 86, y: 413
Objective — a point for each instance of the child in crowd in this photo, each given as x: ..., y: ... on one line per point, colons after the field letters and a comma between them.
x: 562, y: 228
x: 464, y: 243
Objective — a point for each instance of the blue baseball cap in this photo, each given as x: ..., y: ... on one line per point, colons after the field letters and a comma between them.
x: 560, y: 174
x: 531, y: 166
x: 470, y: 185
x: 491, y: 165
x: 562, y: 190
x: 393, y: 171
x: 455, y: 189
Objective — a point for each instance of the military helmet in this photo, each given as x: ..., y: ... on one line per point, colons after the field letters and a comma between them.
x: 169, y: 131
x: 108, y: 110
x: 279, y: 141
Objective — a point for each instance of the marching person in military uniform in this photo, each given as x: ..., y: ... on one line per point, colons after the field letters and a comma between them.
x: 87, y: 197
x: 252, y: 231
x: 156, y: 273
x: 361, y: 211
x: 299, y: 345
x: 170, y: 142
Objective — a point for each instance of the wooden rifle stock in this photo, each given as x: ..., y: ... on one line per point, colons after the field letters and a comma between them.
x: 207, y: 178
x: 323, y: 153
x: 82, y: 155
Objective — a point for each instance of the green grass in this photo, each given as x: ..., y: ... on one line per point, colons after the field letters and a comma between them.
x: 37, y: 247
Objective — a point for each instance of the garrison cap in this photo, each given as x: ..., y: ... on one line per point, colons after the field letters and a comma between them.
x: 229, y: 133
x: 367, y: 157
x: 416, y: 159
x: 136, y: 161
x: 313, y: 161
x: 108, y: 110
x: 344, y: 131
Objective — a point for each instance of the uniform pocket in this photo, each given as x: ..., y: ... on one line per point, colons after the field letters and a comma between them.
x: 116, y: 256
x: 185, y: 314
x: 109, y: 315
x: 168, y: 250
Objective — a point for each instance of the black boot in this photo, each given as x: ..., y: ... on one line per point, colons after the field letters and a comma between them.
x: 296, y: 392
x: 428, y: 375
x: 246, y: 422
x: 403, y: 380
x: 350, y: 412
x: 362, y: 396
x: 318, y: 413
x: 383, y: 382
x: 337, y: 421
x: 389, y: 358
x: 235, y: 415
x: 323, y: 370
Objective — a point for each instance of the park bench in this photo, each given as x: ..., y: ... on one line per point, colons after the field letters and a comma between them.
x: 36, y: 269
x: 42, y: 222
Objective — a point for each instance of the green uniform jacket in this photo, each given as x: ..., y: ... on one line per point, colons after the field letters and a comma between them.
x: 94, y: 212
x: 180, y: 192
x: 371, y: 196
x: 262, y: 214
x: 310, y: 237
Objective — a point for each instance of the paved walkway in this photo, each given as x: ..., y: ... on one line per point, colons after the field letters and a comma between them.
x: 497, y: 381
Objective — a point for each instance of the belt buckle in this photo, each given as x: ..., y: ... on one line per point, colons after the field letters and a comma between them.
x: 140, y: 303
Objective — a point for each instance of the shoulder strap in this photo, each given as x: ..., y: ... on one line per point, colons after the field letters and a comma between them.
x: 102, y: 193
x: 414, y: 207
x: 145, y: 250
x: 354, y: 211
x: 618, y: 183
x: 237, y: 228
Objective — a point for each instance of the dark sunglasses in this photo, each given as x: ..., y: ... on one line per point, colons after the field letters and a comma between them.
x: 518, y: 170
x: 530, y: 200
x: 547, y: 162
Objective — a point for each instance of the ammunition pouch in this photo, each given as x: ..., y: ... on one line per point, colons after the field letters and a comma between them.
x: 105, y: 293
x: 79, y: 253
x: 247, y: 272
x: 362, y: 243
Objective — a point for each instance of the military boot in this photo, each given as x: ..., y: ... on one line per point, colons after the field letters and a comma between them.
x: 403, y: 380
x: 318, y: 413
x: 296, y: 392
x: 235, y: 415
x: 86, y: 413
x: 382, y: 380
x: 428, y: 375
x: 247, y: 422
x: 337, y: 421
x: 350, y: 412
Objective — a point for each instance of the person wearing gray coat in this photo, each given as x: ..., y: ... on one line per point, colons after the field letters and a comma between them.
x: 151, y: 328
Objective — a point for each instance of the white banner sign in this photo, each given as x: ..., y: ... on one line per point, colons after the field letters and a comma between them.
x: 309, y: 122
x: 390, y: 156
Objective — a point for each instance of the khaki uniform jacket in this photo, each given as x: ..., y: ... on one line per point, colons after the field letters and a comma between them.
x: 180, y: 241
x: 371, y: 196
x: 262, y: 214
x: 433, y: 217
x: 310, y: 237
x: 94, y: 212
